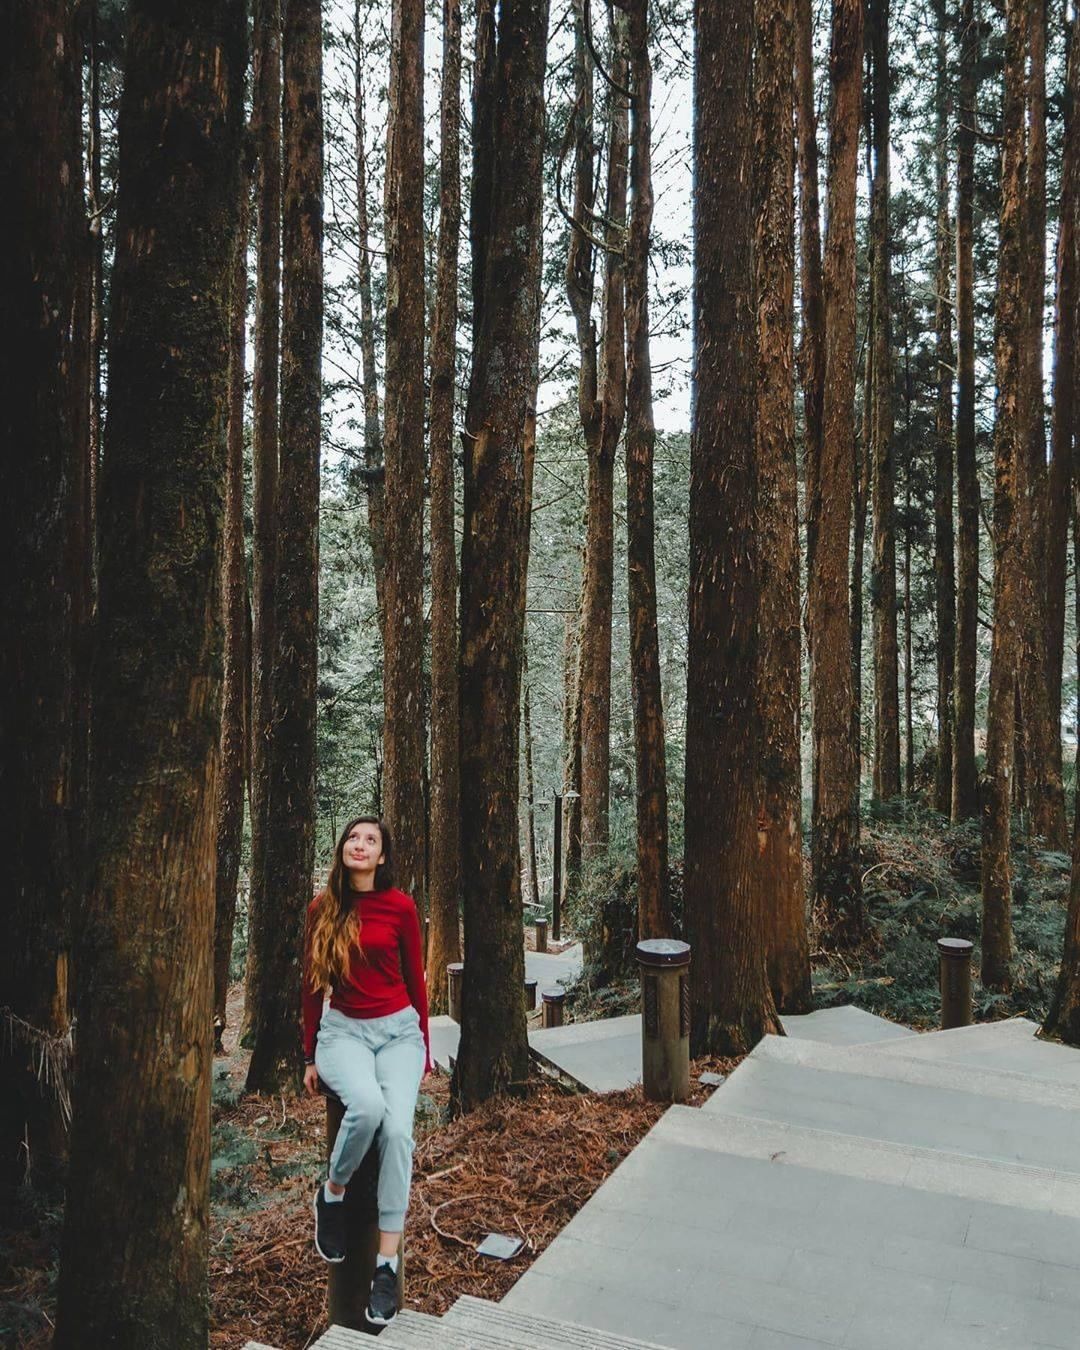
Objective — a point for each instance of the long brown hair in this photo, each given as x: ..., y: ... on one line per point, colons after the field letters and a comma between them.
x: 335, y: 925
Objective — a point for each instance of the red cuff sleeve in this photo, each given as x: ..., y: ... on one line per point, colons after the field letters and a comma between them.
x: 412, y: 969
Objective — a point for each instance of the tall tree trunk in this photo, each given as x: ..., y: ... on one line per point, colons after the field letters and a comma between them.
x: 863, y: 470
x: 374, y: 468
x: 594, y: 638
x: 1010, y: 485
x: 1060, y: 483
x: 965, y: 796
x: 509, y: 143
x: 530, y: 789
x: 812, y: 343
x: 290, y: 810
x: 230, y: 802
x: 96, y: 206
x: 403, y: 658
x: 444, y: 940
x: 1041, y: 709
x: 650, y: 754
x: 944, y: 558
x: 883, y: 571
x: 133, y: 1268
x: 835, y: 833
x: 266, y: 119
x: 731, y: 1005
x: 783, y: 898
x: 44, y: 577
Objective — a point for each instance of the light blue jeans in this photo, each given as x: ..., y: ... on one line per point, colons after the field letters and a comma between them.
x: 374, y: 1065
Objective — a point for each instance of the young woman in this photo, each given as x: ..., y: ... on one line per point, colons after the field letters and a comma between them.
x: 370, y: 1044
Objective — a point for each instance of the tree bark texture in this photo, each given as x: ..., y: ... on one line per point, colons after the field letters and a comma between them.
x: 965, y: 796
x: 266, y: 118
x: 1010, y: 465
x: 1063, y: 1017
x: 374, y: 480
x: 1063, y: 424
x: 507, y: 234
x: 1041, y: 729
x: 731, y: 1006
x: 883, y: 570
x: 783, y: 896
x: 44, y: 579
x: 835, y: 829
x: 650, y: 753
x: 530, y: 792
x: 134, y: 1255
x: 812, y: 341
x: 276, y: 1062
x: 444, y: 940
x: 404, y: 736
x: 230, y: 803
x: 944, y: 552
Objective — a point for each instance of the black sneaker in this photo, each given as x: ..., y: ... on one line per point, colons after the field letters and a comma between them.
x: 382, y: 1302
x: 329, y: 1227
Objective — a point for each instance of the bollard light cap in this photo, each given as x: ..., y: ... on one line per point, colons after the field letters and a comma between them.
x: 553, y: 995
x: 663, y: 952
x: 955, y: 947
x: 455, y: 965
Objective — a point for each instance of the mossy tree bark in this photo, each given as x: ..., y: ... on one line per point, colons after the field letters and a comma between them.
x: 276, y: 1062
x: 508, y: 152
x: 444, y: 940
x: 783, y: 894
x: 45, y: 572
x: 731, y: 1003
x: 836, y: 877
x: 404, y: 732
x: 650, y: 751
x: 133, y: 1267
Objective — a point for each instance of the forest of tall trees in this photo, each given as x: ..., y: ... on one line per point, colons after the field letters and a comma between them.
x: 472, y: 413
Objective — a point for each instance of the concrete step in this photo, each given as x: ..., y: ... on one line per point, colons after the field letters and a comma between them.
x: 719, y: 1230
x: 878, y: 1160
x: 414, y: 1330
x: 476, y: 1316
x: 1009, y: 1045
x: 993, y: 1114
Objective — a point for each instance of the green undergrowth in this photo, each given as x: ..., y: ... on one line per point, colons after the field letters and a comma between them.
x: 920, y: 882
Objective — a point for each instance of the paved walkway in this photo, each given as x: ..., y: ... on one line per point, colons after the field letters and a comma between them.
x: 901, y: 1193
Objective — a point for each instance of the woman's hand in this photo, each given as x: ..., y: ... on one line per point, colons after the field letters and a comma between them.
x: 311, y: 1080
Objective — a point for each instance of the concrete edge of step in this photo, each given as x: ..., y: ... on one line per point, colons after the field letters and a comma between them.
x: 548, y: 1333
x: 413, y: 1331
x: 912, y: 1166
x: 872, y: 1062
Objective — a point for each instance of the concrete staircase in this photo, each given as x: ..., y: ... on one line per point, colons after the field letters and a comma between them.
x: 911, y: 1192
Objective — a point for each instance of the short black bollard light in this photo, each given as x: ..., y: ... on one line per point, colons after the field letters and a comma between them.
x: 530, y: 995
x: 541, y: 935
x: 455, y: 974
x: 349, y: 1282
x: 665, y: 1019
x: 552, y: 1001
x: 955, y: 964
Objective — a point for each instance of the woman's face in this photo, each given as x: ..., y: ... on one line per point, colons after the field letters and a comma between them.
x: 362, y: 850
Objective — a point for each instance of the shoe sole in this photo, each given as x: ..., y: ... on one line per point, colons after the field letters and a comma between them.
x: 374, y: 1321
x: 331, y: 1260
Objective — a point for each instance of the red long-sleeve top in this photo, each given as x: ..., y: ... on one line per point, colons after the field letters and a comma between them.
x: 384, y: 977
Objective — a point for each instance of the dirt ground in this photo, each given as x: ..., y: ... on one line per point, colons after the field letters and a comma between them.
x: 520, y: 1167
